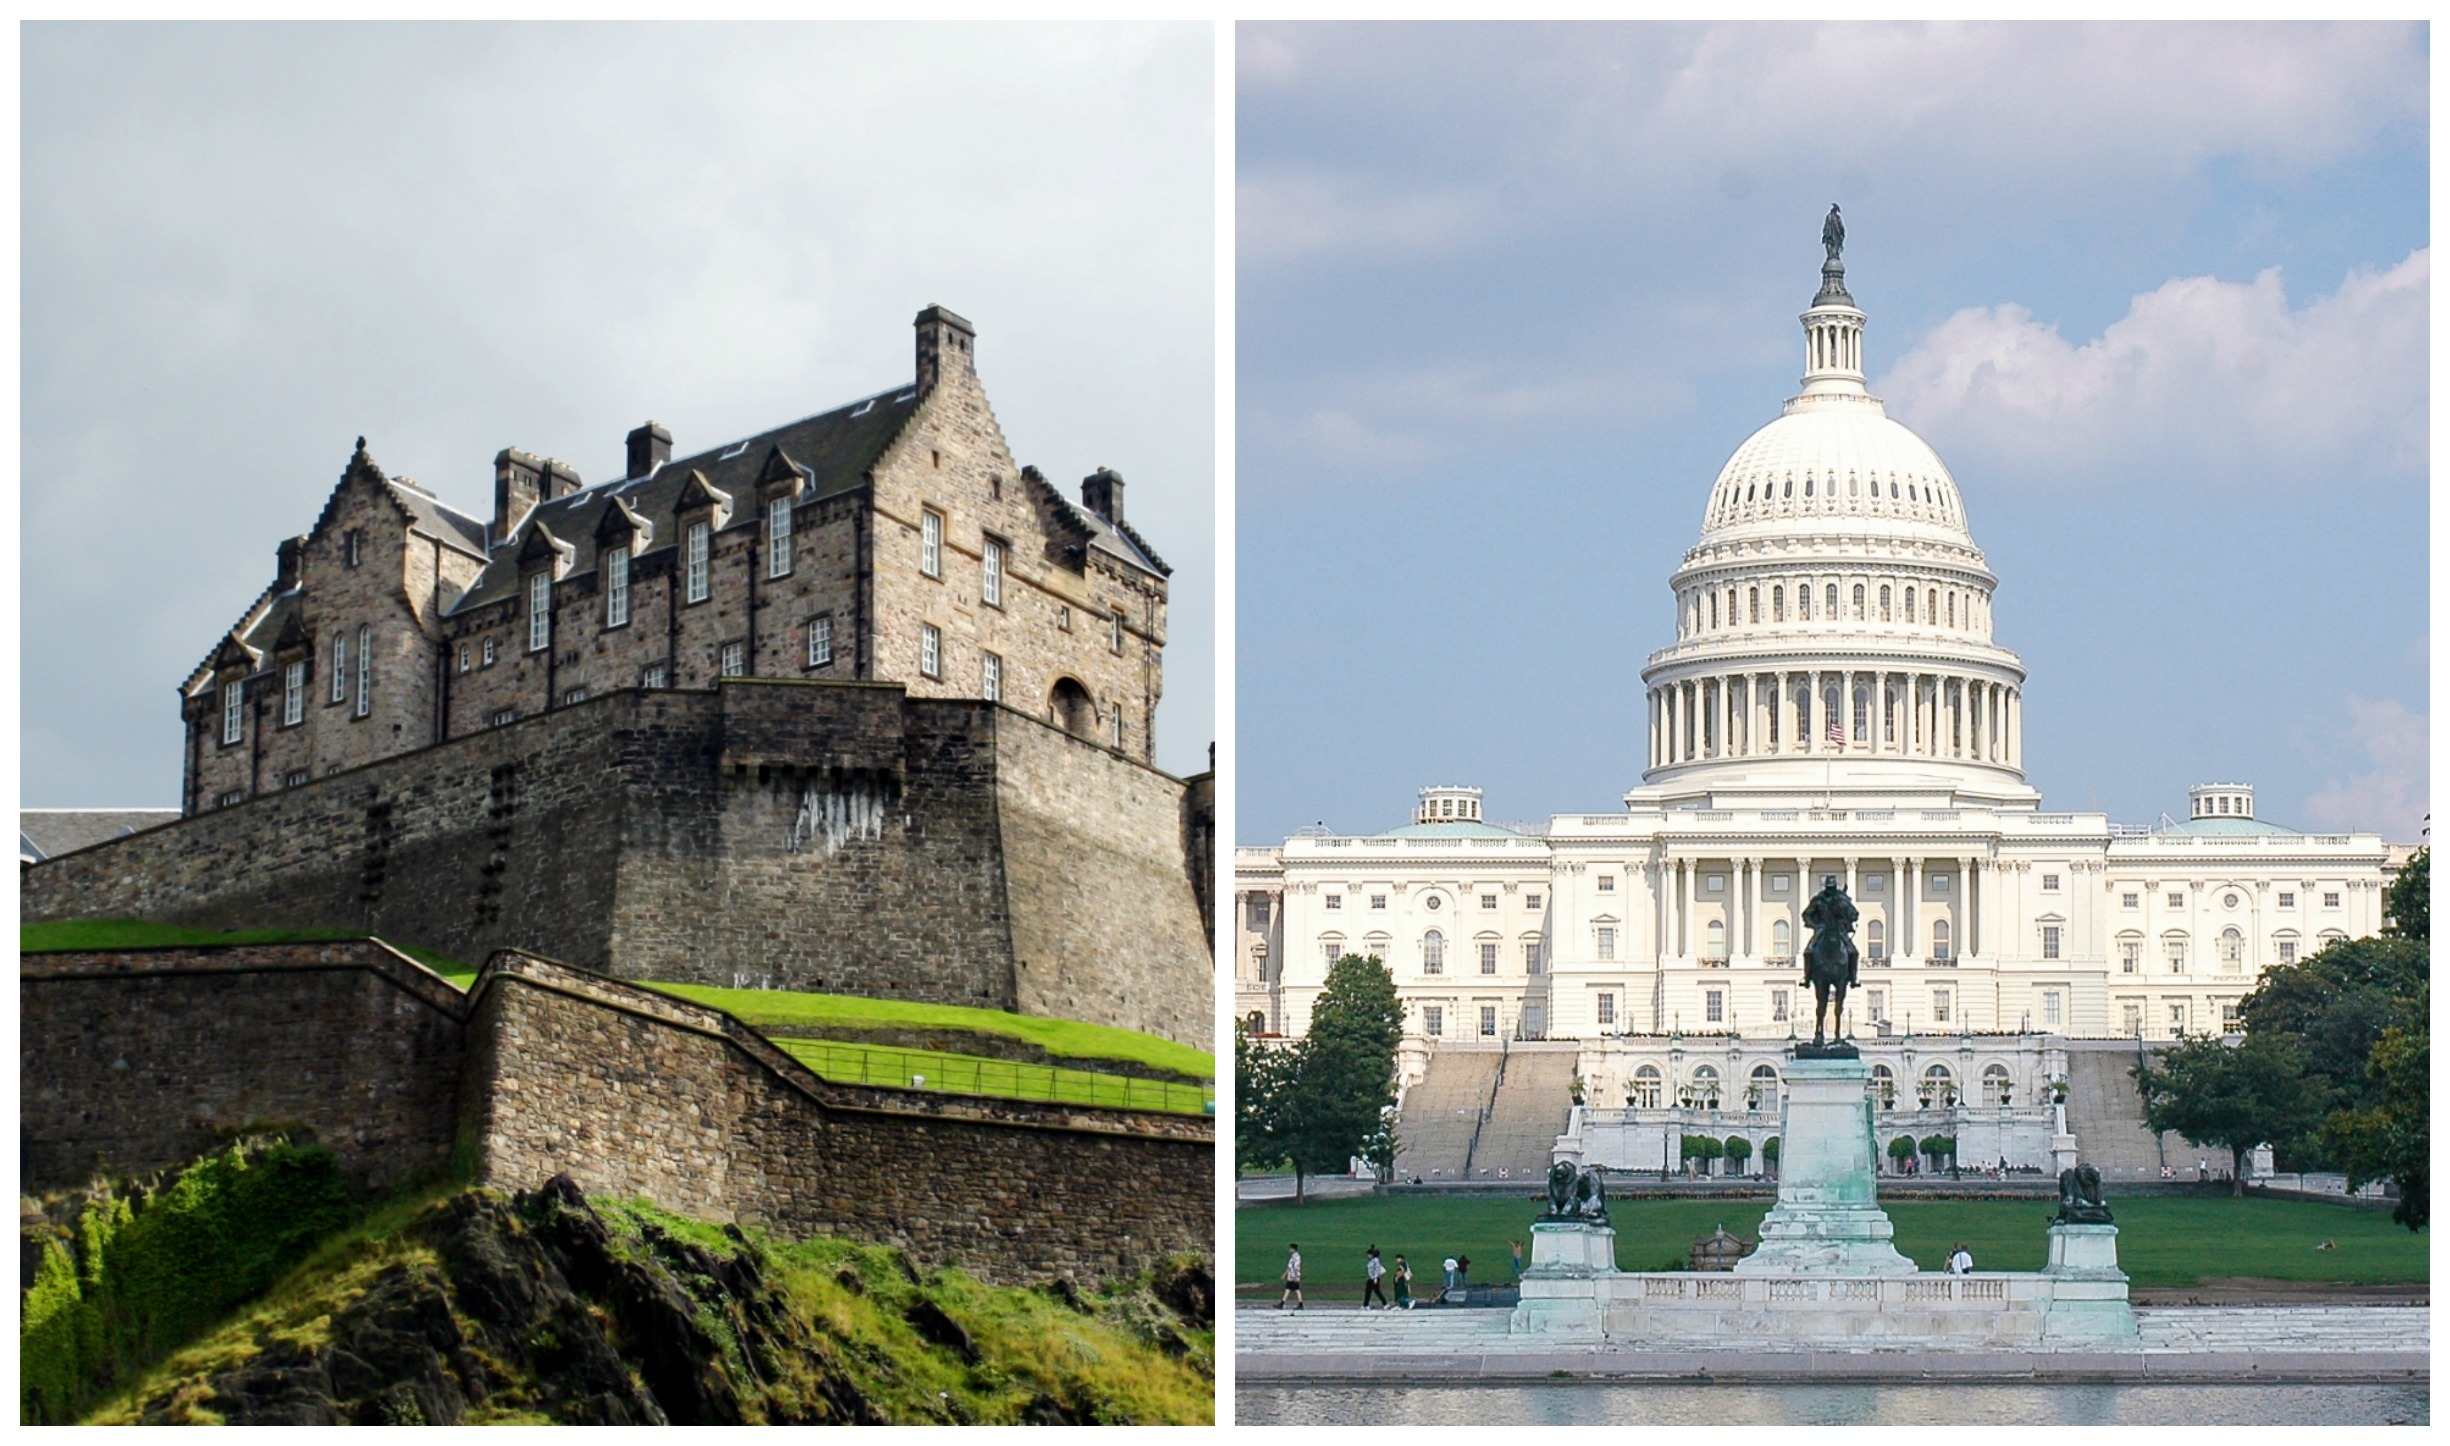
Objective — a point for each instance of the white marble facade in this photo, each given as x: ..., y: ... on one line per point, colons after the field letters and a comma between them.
x: 1833, y: 704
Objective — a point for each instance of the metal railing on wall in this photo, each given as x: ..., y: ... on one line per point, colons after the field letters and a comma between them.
x: 961, y: 1074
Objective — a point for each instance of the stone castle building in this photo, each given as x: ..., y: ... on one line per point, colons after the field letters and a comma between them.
x: 1833, y: 704
x: 890, y: 539
x: 855, y: 705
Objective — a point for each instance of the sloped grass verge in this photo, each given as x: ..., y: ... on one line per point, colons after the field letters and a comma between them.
x: 62, y: 936
x: 971, y: 1074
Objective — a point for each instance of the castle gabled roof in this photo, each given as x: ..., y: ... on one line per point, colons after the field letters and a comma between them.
x: 835, y: 449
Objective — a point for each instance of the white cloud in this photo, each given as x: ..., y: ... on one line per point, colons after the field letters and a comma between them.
x: 2392, y: 796
x: 2206, y: 381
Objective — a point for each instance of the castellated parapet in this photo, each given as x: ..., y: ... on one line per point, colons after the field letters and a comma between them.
x: 836, y: 837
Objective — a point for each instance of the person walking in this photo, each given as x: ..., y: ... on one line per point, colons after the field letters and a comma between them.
x: 1446, y: 1293
x: 1403, y: 1284
x: 1961, y: 1261
x: 1372, y: 1273
x: 1293, y: 1279
x: 1517, y: 1247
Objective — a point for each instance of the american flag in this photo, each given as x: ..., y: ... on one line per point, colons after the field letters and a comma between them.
x: 1836, y: 732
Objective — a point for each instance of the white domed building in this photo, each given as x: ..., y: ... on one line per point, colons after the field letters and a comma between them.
x: 1834, y: 704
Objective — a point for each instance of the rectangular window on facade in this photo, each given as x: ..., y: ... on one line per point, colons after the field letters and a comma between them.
x: 2288, y: 900
x: 1335, y: 901
x: 991, y: 677
x: 1531, y: 958
x: 539, y: 612
x: 1378, y: 901
x: 652, y: 677
x: 2177, y: 1019
x: 1488, y: 901
x: 1939, y: 883
x: 616, y: 589
x: 2288, y: 951
x: 1063, y: 620
x: 820, y: 640
x: 1714, y: 884
x: 778, y: 537
x: 2330, y: 901
x: 1777, y: 883
x: 1259, y: 913
x: 2177, y: 901
x: 2050, y: 1006
x: 2176, y: 949
x: 505, y: 717
x: 1607, y: 942
x: 352, y: 547
x: 1331, y: 950
x: 991, y: 574
x: 1877, y: 1005
x: 296, y: 778
x: 466, y: 657
x: 489, y: 652
x: 1433, y: 1021
x: 293, y: 693
x: 2130, y: 957
x: 365, y: 671
x: 2050, y: 941
x: 693, y: 558
x: 1118, y: 725
x: 1531, y: 901
x: 1777, y: 1006
x: 2050, y: 883
x: 1607, y: 1008
x: 233, y: 716
x: 235, y: 795
x: 1714, y: 1005
x: 1488, y: 958
x: 1114, y: 640
x: 575, y: 695
x: 340, y: 666
x: 2130, y: 901
x: 931, y: 649
x: 2131, y: 1019
x: 735, y: 659
x: 2228, y: 1016
x: 1607, y: 883
x: 1488, y: 1021
x: 1939, y: 1006
x: 931, y: 543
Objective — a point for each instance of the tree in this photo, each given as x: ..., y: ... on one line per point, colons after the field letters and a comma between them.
x: 1901, y: 1150
x: 2335, y: 1005
x: 1738, y: 1150
x: 1769, y: 1152
x: 2233, y: 1097
x: 2409, y: 904
x: 1260, y: 1073
x: 1331, y: 1100
x: 1938, y: 1147
x: 1704, y: 1148
x: 2392, y: 1138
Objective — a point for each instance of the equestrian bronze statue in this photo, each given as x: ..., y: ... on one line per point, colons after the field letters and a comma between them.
x: 1829, y: 964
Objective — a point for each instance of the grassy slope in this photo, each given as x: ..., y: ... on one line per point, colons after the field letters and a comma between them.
x: 63, y: 935
x: 2162, y: 1241
x: 1030, y: 1342
x: 975, y: 1075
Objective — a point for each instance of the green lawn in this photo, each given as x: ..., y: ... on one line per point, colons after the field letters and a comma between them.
x: 2162, y: 1240
x: 970, y: 1074
x: 64, y: 935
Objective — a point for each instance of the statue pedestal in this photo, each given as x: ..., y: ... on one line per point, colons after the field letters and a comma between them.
x: 1561, y: 1294
x: 1828, y: 1219
x: 2088, y: 1294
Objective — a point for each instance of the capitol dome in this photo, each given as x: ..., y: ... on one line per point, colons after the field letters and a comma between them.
x: 1835, y: 607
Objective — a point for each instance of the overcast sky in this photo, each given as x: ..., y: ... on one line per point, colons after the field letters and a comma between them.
x: 243, y: 246
x: 1510, y: 296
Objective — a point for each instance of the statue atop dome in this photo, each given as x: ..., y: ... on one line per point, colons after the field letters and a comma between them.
x: 1833, y: 232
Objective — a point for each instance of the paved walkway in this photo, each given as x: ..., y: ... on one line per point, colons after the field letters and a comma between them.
x: 2222, y: 1343
x: 1280, y: 1187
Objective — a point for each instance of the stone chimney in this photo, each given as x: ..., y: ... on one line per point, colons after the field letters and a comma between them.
x: 1102, y: 493
x: 944, y: 346
x: 285, y: 577
x: 650, y: 448
x: 518, y: 483
x: 560, y: 479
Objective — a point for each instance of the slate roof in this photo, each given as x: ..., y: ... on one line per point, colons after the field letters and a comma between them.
x: 836, y: 449
x: 436, y: 518
x: 46, y: 833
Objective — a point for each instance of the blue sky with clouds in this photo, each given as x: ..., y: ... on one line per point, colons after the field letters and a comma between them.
x: 245, y: 245
x: 1509, y: 295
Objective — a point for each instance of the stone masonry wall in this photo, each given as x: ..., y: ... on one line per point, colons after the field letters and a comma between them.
x: 638, y: 1094
x: 1105, y: 924
x: 133, y: 1061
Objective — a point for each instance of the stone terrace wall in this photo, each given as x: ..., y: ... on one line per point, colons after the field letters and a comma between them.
x: 1105, y: 926
x: 132, y: 1061
x: 638, y: 1094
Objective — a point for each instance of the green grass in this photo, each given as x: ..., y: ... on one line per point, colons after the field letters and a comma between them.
x: 2162, y: 1240
x: 1071, y: 1039
x: 971, y: 1074
x: 66, y: 935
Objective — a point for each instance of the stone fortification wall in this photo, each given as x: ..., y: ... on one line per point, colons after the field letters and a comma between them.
x: 637, y: 1094
x: 135, y: 1060
x: 138, y: 1060
x: 767, y: 834
x: 1105, y: 925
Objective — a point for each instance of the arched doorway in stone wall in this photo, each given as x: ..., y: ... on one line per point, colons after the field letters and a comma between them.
x: 1071, y: 708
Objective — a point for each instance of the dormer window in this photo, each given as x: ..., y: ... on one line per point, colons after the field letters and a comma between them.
x: 539, y: 611
x: 778, y: 537
x: 694, y: 546
x: 233, y: 713
x: 931, y: 542
x: 616, y: 591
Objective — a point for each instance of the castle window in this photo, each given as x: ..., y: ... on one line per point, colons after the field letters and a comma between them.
x: 1118, y: 725
x: 991, y: 573
x: 652, y: 677
x: 1714, y: 611
x: 575, y: 695
x: 2132, y: 901
x: 735, y: 659
x: 489, y: 652
x: 1063, y: 620
x: 296, y: 778
x: 931, y: 542
x: 1488, y: 958
x: 1433, y: 953
x: 1433, y: 1020
x: 340, y: 666
x: 616, y: 590
x: 1645, y: 1088
x: 233, y: 715
x: 464, y: 657
x: 539, y: 612
x: 1803, y: 603
x: 293, y: 693
x: 505, y: 717
x: 1939, y: 1008
x: 2232, y: 951
x: 1331, y: 950
x: 2229, y: 1017
x: 694, y: 549
x: 991, y: 677
x: 235, y: 795
x: 365, y: 671
x: 352, y: 547
x: 931, y: 649
x: 1115, y: 640
x: 820, y: 640
x: 778, y: 537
